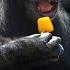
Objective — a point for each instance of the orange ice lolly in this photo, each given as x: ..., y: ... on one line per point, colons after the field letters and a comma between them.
x: 45, y: 24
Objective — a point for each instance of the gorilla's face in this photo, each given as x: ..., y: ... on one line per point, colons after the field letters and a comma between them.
x: 37, y: 8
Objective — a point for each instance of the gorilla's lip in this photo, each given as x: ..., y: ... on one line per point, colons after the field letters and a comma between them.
x: 45, y: 8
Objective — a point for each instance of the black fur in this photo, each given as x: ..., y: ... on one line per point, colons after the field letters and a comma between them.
x: 18, y: 18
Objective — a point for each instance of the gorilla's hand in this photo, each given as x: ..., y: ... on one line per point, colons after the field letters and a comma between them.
x: 52, y: 45
x: 35, y: 49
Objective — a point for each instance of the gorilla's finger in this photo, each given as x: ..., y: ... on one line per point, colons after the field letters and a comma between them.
x: 54, y: 41
x: 33, y: 36
x: 59, y: 50
x: 56, y: 52
x: 45, y: 37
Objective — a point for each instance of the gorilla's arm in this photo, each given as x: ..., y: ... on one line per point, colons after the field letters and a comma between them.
x: 22, y: 51
x: 28, y: 51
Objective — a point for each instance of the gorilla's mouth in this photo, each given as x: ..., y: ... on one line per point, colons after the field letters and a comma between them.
x: 46, y: 8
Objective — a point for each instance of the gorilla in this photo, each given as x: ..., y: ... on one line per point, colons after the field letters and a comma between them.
x: 22, y: 46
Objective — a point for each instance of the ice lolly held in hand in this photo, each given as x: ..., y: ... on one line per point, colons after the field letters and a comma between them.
x: 45, y: 24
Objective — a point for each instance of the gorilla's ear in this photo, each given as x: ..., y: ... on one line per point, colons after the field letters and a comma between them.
x: 66, y: 5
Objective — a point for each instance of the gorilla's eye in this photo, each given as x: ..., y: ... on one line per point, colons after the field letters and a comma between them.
x: 46, y: 7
